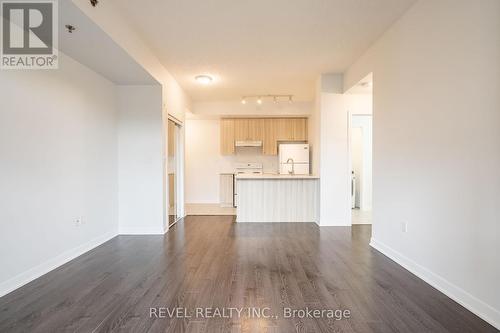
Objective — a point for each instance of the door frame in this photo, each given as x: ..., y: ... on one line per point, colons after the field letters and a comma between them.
x: 349, y: 134
x: 179, y: 175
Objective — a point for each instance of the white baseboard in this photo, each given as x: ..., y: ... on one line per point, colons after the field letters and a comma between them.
x: 49, y: 265
x: 473, y: 304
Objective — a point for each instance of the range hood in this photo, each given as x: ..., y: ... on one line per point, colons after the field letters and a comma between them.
x: 248, y: 143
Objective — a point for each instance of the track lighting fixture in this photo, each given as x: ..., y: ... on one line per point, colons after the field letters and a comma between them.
x: 260, y: 98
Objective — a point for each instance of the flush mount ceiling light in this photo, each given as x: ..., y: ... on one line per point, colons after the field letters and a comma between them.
x: 203, y: 79
x: 259, y: 99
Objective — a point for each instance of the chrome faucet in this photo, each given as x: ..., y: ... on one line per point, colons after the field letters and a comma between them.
x: 293, y: 166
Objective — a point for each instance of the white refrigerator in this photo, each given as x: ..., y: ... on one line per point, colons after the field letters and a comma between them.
x: 294, y: 158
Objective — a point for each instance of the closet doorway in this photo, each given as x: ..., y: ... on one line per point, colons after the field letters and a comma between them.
x: 174, y: 171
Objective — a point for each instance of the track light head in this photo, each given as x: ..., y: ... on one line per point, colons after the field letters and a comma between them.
x: 259, y: 99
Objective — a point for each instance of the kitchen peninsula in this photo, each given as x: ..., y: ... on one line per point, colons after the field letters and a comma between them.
x: 277, y: 198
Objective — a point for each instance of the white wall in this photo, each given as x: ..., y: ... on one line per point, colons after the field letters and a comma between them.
x: 359, y: 103
x: 174, y: 100
x: 437, y: 146
x: 59, y: 150
x: 58, y: 161
x: 331, y: 122
x: 110, y: 19
x: 329, y: 140
x: 313, y: 131
x: 140, y: 160
x: 204, y: 162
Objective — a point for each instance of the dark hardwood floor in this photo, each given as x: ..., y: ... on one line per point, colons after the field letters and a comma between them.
x: 215, y: 263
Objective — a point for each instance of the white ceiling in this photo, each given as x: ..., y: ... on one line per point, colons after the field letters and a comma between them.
x: 259, y: 46
x: 92, y: 47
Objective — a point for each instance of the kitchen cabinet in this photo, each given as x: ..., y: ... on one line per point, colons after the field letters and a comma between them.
x: 285, y: 129
x: 269, y: 144
x: 227, y: 136
x: 248, y: 129
x: 278, y: 198
x: 292, y: 129
x: 256, y: 129
x: 299, y: 129
x: 268, y: 130
x: 226, y: 188
x: 240, y: 129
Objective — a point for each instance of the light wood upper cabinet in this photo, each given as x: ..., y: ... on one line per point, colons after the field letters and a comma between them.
x: 240, y: 129
x: 285, y: 129
x: 268, y: 130
x: 249, y: 129
x: 256, y: 129
x: 299, y: 129
x: 269, y: 144
x: 227, y: 136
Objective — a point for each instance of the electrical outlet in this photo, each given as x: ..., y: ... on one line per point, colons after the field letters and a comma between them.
x: 78, y: 221
x: 404, y: 226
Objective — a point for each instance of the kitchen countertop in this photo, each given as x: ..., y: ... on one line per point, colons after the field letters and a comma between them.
x: 274, y: 176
